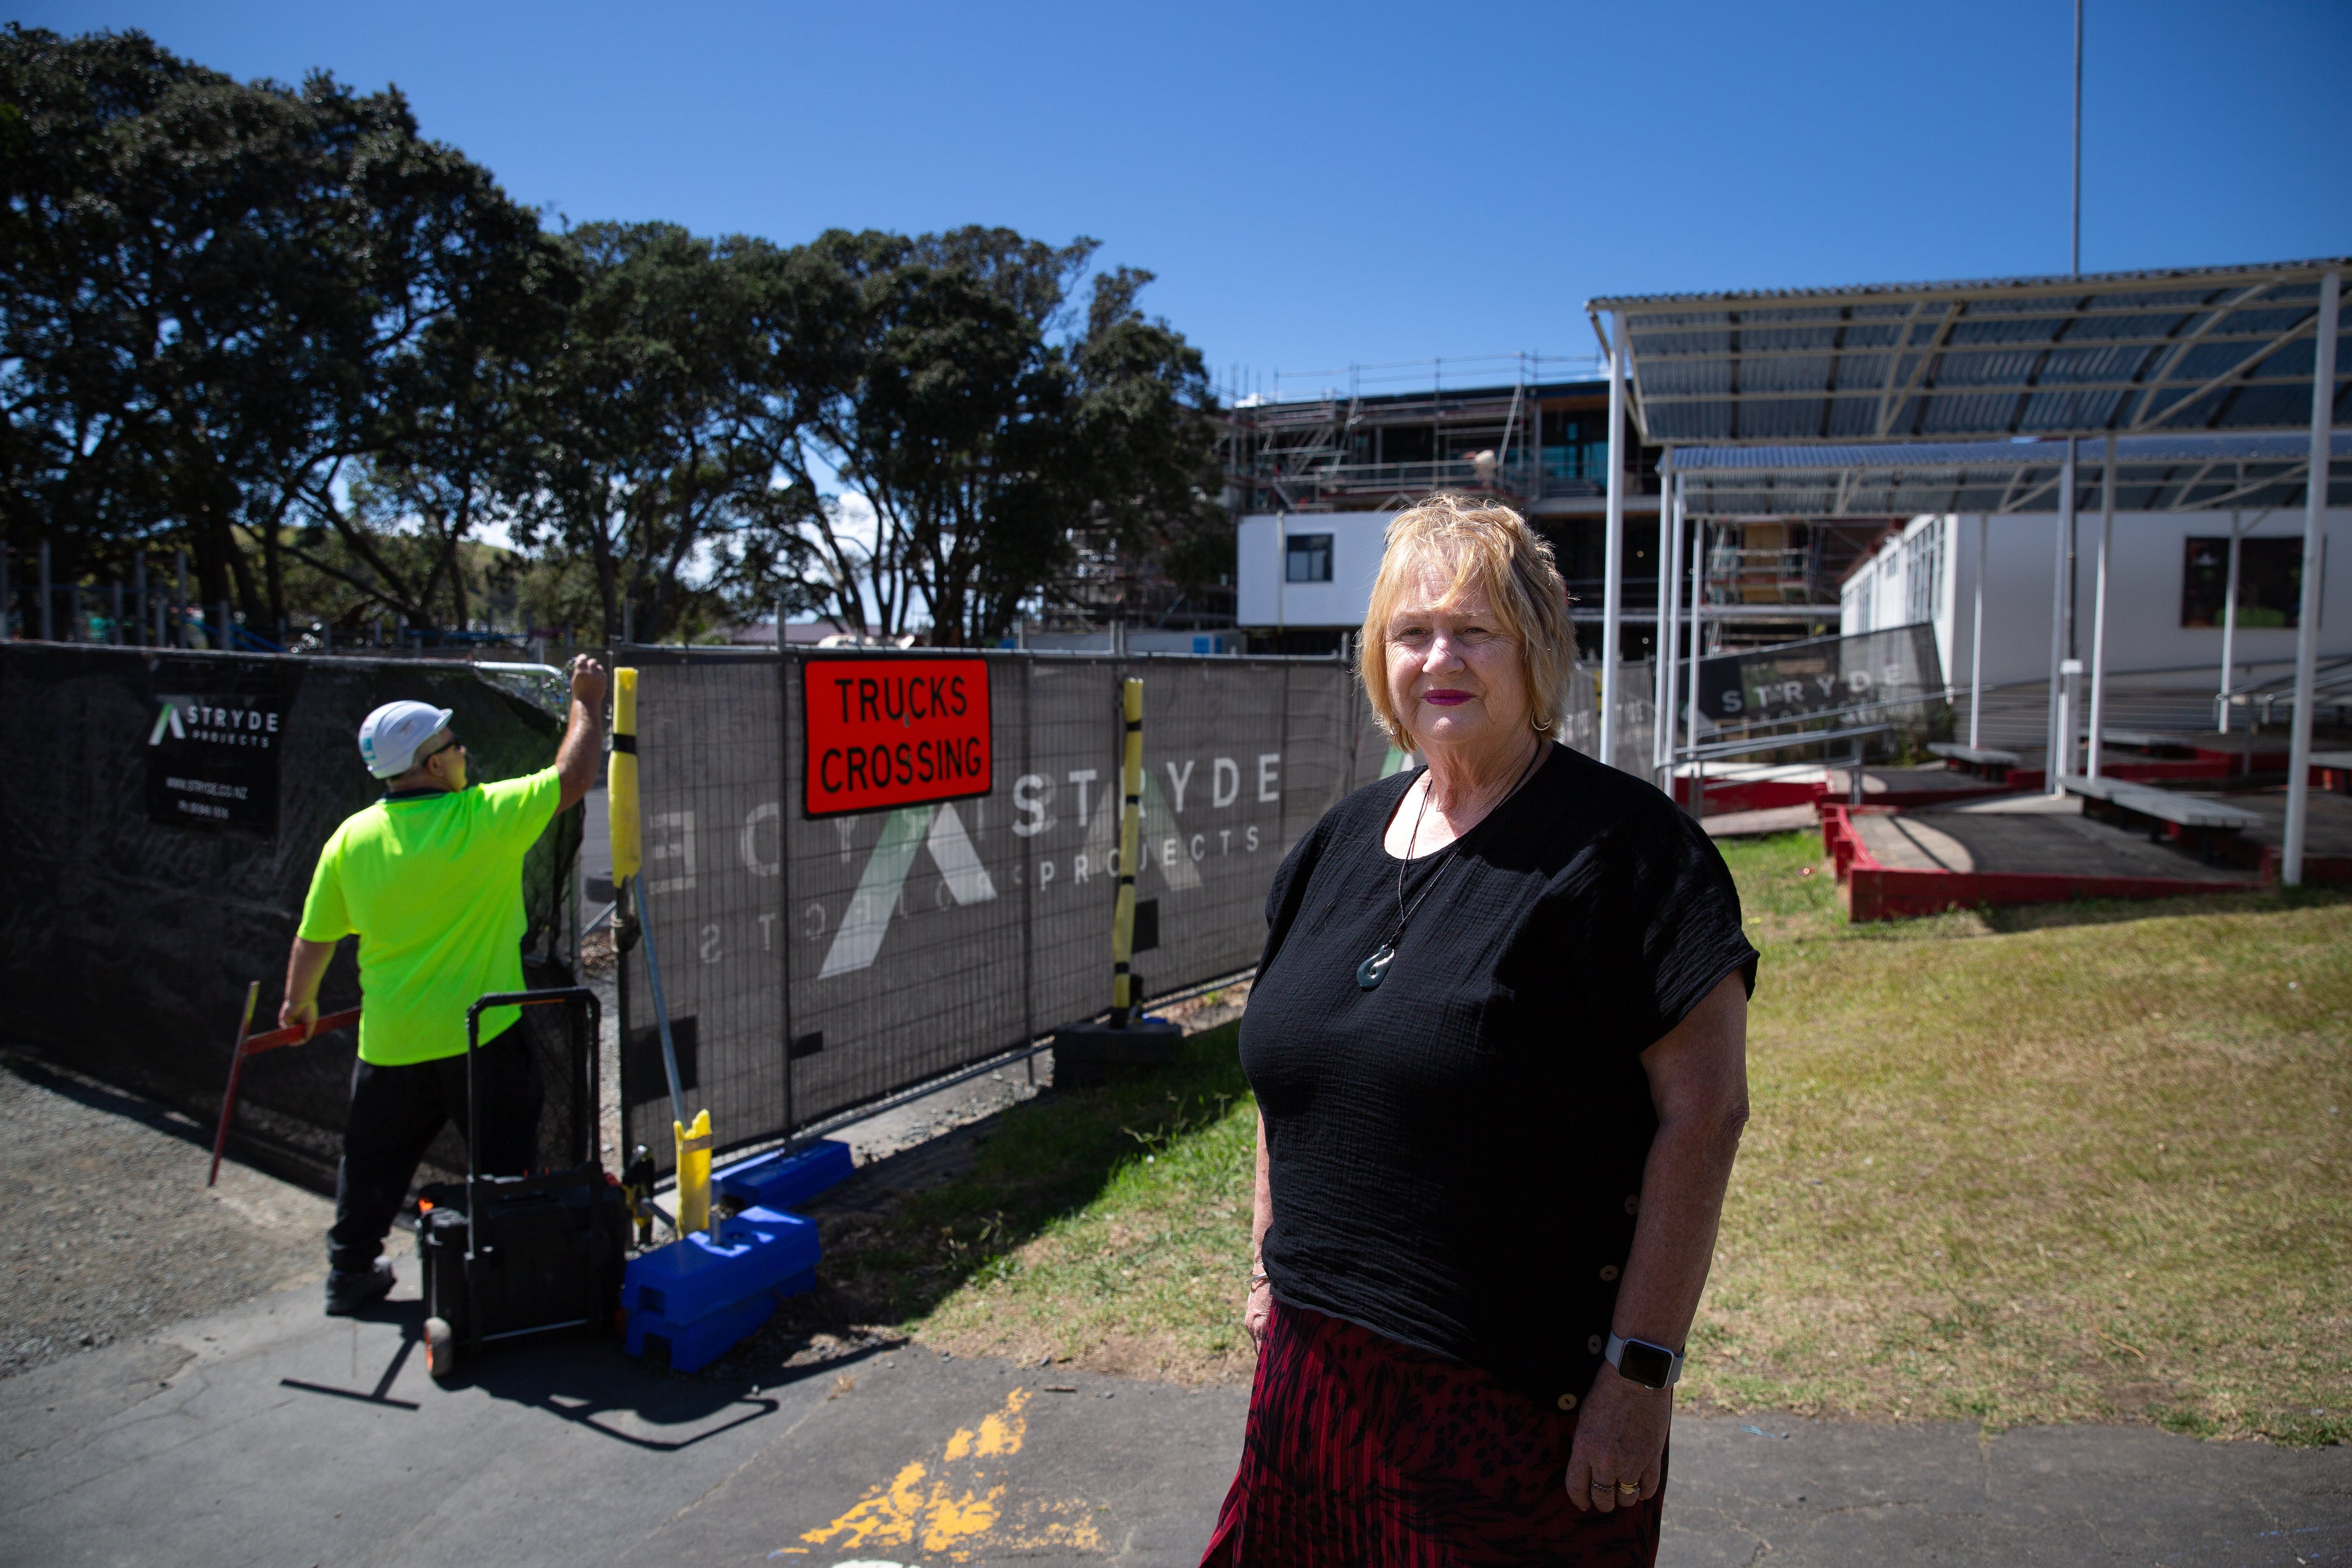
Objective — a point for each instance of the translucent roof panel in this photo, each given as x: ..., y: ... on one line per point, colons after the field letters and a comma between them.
x: 2153, y: 473
x: 2224, y: 348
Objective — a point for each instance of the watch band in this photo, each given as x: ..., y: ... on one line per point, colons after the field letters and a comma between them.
x: 1655, y: 1366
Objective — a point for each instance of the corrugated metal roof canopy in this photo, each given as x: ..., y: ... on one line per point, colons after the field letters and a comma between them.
x: 2219, y: 347
x: 2153, y: 473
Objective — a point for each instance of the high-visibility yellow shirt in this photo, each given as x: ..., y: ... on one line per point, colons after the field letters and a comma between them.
x: 433, y: 885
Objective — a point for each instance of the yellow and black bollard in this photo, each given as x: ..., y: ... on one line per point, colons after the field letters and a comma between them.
x: 1123, y: 999
x: 1094, y: 1054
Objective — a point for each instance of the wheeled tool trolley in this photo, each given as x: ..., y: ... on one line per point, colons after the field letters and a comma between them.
x: 511, y: 1257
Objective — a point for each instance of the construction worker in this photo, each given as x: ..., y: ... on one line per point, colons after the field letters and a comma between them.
x: 430, y: 879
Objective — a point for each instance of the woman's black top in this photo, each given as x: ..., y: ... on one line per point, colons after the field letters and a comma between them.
x: 1456, y: 1155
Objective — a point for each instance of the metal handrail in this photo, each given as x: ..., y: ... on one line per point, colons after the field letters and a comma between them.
x: 1719, y: 748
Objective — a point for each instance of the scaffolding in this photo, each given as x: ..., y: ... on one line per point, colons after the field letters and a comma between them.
x: 1351, y: 446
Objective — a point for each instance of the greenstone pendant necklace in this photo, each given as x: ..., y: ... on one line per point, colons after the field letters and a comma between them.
x: 1375, y: 968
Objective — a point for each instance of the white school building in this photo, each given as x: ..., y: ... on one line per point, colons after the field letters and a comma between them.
x: 2167, y: 587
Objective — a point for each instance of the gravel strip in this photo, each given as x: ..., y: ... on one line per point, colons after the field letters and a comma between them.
x: 113, y: 1232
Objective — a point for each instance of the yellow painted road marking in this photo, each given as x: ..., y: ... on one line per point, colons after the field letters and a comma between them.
x: 952, y: 1505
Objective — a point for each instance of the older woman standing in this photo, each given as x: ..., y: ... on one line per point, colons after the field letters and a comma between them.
x: 1497, y: 1045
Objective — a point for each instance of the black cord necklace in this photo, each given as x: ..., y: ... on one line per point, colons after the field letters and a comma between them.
x: 1375, y: 969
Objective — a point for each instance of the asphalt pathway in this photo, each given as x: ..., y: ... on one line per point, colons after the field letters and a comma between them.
x: 271, y: 1435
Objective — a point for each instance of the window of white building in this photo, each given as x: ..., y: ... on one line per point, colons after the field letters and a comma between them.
x: 1922, y: 573
x: 1307, y: 558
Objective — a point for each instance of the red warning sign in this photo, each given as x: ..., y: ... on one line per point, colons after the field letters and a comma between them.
x: 893, y: 731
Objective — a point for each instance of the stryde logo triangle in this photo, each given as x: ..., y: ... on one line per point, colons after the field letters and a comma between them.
x: 938, y: 829
x: 169, y: 719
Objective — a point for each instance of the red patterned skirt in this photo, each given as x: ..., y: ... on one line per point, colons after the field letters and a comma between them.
x: 1367, y: 1453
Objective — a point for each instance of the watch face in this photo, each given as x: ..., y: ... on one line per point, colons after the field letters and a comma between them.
x: 1646, y: 1364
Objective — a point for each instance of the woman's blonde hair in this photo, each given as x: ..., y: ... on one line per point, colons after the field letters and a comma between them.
x: 1492, y: 550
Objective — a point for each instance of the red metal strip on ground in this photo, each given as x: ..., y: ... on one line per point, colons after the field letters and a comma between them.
x: 1886, y: 893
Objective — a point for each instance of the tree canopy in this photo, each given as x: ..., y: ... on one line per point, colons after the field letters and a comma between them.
x: 278, y: 327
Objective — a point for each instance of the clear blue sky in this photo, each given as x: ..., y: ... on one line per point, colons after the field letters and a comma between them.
x: 1317, y: 185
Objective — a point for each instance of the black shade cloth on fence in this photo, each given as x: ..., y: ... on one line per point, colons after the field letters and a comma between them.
x: 129, y: 930
x: 815, y: 966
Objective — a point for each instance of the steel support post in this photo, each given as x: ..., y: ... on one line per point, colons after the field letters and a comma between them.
x: 1661, y: 661
x: 1976, y: 640
x: 1670, y: 599
x: 48, y: 598
x: 2315, y: 563
x: 1612, y: 549
x: 2228, y: 630
x: 2059, y: 744
x: 1697, y: 547
x: 2099, y: 613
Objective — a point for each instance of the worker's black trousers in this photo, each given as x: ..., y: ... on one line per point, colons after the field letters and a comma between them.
x: 398, y: 1112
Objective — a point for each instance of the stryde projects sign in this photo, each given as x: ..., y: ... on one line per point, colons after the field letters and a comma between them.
x: 884, y: 732
x: 213, y: 744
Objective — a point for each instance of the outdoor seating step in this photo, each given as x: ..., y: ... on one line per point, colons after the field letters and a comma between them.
x: 2173, y: 742
x: 1978, y: 755
x: 2189, y: 811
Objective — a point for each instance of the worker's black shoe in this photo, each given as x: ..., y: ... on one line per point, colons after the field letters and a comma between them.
x: 349, y: 1289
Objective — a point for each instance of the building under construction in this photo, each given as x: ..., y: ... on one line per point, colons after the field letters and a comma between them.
x: 1312, y: 479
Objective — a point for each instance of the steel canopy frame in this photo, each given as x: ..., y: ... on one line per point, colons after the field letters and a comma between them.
x: 2154, y: 473
x: 2115, y: 355
x: 2223, y: 348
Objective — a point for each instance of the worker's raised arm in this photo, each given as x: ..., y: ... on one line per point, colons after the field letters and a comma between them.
x: 577, y: 760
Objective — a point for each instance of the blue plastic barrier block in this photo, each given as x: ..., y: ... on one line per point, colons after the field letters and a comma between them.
x: 781, y: 1182
x: 741, y: 1257
x: 695, y: 1345
x: 691, y: 1346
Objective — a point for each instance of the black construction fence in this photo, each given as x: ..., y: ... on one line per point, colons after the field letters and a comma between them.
x: 814, y: 963
x: 164, y: 811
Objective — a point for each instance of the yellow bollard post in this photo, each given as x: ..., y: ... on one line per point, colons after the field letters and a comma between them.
x: 1123, y: 1000
x: 621, y: 780
x: 694, y: 1174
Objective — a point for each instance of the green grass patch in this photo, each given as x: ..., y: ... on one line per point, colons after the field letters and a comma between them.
x: 1108, y: 1225
x: 2085, y: 1161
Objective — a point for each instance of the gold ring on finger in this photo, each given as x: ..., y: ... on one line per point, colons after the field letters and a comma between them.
x: 1629, y: 1488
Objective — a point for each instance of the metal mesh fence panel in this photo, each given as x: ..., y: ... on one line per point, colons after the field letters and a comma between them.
x: 126, y: 941
x: 1637, y: 712
x: 813, y: 965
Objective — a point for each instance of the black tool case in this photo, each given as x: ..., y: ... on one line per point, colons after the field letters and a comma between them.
x: 508, y: 1258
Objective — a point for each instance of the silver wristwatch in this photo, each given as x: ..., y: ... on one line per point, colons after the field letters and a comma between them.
x: 1638, y: 1361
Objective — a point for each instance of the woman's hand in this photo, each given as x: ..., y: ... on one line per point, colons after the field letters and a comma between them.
x: 1257, y: 1309
x: 1621, y: 1439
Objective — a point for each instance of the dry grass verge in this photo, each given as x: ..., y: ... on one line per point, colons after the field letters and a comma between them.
x: 2078, y: 1162
x: 2071, y: 1162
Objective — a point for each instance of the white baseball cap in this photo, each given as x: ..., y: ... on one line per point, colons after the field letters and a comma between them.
x: 390, y: 736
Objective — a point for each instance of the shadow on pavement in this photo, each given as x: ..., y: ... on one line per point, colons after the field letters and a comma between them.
x: 591, y: 1383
